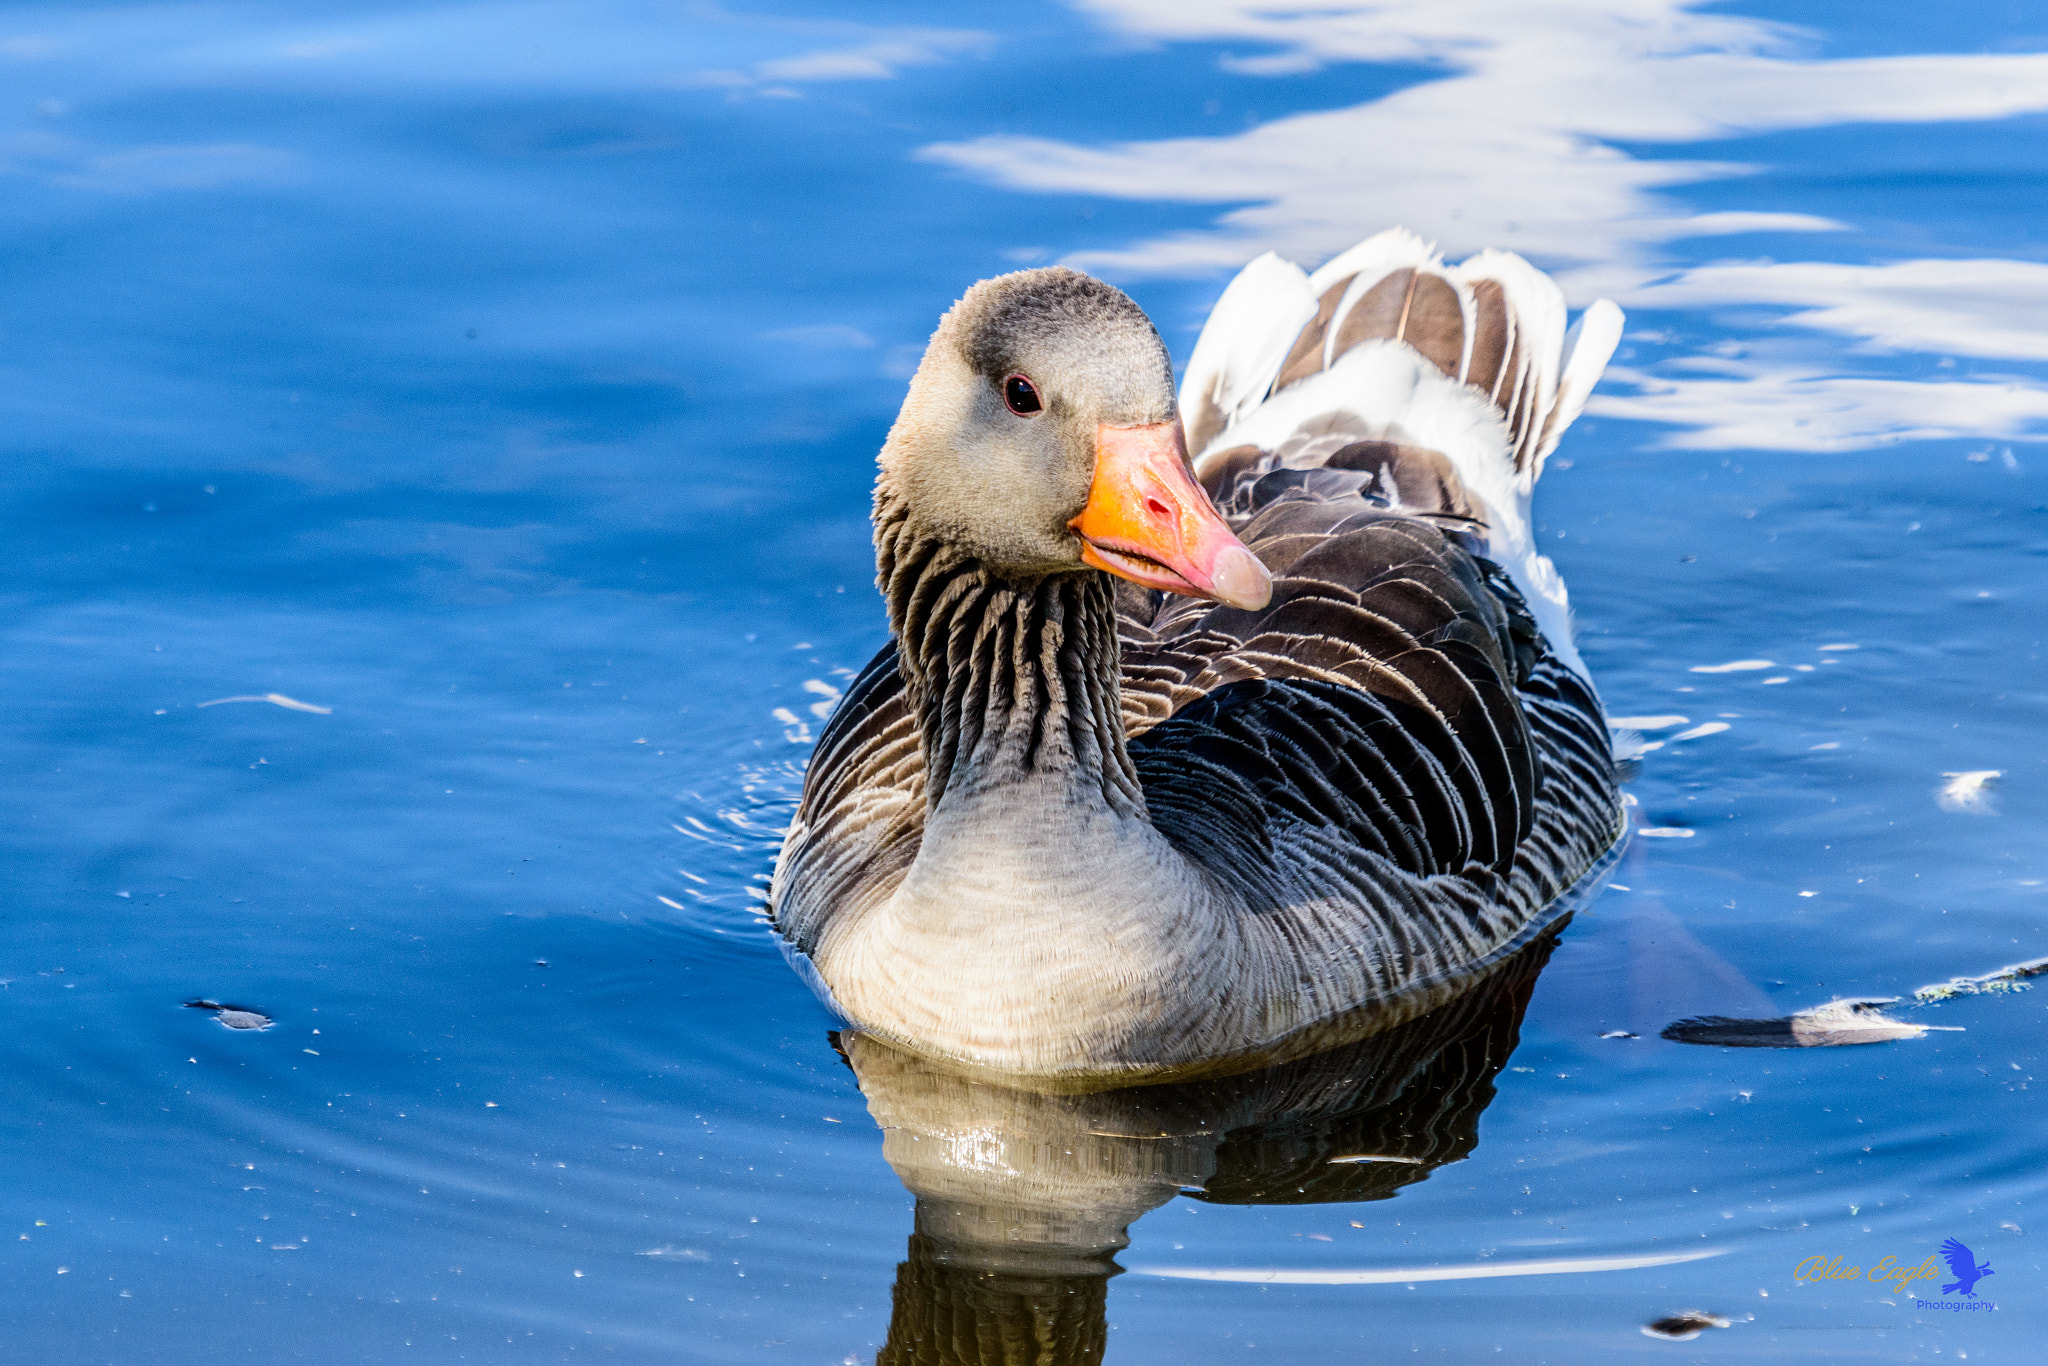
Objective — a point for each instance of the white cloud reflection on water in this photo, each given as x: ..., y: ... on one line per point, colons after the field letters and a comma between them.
x: 878, y: 60
x: 1532, y: 137
x: 1985, y: 308
x: 1968, y: 308
x: 1513, y: 147
x: 1739, y: 405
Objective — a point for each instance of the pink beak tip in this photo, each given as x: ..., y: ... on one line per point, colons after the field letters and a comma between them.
x: 1239, y: 580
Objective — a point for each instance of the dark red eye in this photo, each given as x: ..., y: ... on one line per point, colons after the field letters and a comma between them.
x: 1022, y: 396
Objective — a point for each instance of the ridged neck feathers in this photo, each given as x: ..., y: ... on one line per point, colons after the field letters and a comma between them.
x: 1013, y: 681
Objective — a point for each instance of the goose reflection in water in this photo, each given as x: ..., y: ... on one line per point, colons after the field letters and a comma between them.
x: 1023, y: 1199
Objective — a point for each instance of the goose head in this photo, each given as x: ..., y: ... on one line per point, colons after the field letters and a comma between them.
x: 1040, y: 436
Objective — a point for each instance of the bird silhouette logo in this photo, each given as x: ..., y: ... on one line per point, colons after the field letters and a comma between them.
x: 1962, y: 1264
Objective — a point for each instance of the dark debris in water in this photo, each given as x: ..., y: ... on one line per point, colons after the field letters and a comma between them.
x: 233, y: 1017
x: 1683, y: 1327
x: 2012, y: 977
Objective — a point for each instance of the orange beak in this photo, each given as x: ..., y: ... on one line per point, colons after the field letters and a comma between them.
x: 1148, y: 521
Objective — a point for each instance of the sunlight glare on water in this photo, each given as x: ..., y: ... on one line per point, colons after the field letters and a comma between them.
x: 440, y: 443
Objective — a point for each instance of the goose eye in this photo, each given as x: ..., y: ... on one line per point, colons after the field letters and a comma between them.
x: 1021, y: 395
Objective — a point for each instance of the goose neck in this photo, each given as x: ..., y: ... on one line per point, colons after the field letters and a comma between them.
x: 1015, y: 681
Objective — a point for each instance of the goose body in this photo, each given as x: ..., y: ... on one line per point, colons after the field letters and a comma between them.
x: 1070, y: 826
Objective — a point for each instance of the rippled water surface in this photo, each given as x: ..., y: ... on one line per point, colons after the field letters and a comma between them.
x: 482, y: 401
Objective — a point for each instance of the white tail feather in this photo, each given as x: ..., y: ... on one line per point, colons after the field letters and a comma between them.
x: 1242, y: 345
x: 1375, y: 256
x: 1588, y: 347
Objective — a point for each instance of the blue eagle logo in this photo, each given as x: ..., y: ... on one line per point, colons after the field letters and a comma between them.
x: 1962, y: 1264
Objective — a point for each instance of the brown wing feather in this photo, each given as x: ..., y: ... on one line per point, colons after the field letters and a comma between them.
x: 1379, y: 312
x: 1492, y: 337
x: 1307, y: 356
x: 1435, y: 324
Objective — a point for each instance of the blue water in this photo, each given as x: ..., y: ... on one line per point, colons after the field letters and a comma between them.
x: 504, y: 381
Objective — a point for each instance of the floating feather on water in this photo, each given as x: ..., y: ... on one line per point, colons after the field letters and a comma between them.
x: 1966, y: 791
x: 233, y: 1017
x: 1838, y: 1023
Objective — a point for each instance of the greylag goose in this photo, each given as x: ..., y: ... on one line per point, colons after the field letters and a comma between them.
x: 1172, y: 767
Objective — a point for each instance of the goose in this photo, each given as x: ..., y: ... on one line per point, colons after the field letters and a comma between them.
x: 1182, y: 766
